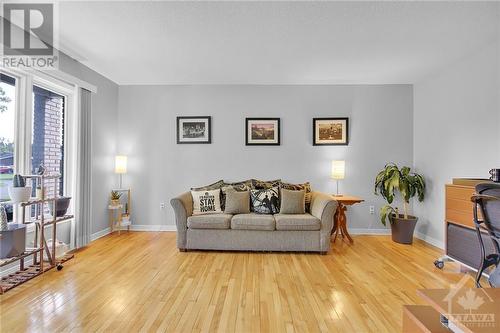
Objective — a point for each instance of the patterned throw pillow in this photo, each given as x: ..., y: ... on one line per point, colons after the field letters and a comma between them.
x: 214, y: 186
x: 297, y: 187
x: 263, y: 184
x: 206, y: 202
x: 265, y: 201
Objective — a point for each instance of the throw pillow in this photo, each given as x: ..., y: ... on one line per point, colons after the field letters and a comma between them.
x: 237, y: 202
x: 297, y: 187
x: 213, y: 186
x: 238, y: 186
x: 265, y: 201
x: 293, y: 202
x: 263, y: 184
x: 206, y: 202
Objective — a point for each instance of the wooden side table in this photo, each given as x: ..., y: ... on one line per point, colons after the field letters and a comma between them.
x: 340, y: 220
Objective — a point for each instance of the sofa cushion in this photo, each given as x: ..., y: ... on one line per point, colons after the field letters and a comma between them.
x: 292, y: 202
x: 297, y: 222
x: 206, y: 202
x: 265, y: 201
x: 209, y: 221
x: 252, y: 222
x: 237, y: 202
x: 242, y: 186
x: 297, y: 187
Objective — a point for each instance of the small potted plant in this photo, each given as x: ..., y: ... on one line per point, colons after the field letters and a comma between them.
x: 409, y: 184
x: 19, y: 192
x: 115, y: 198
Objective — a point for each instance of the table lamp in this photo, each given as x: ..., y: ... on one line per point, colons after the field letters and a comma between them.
x: 338, y: 172
x: 120, y: 166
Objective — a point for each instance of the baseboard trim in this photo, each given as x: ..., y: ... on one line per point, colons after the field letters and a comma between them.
x: 135, y: 227
x: 354, y: 231
x: 364, y: 231
x: 153, y: 227
x: 99, y: 234
x: 431, y: 240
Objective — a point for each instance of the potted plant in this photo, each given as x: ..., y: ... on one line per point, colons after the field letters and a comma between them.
x: 115, y: 198
x: 409, y: 184
x: 19, y: 192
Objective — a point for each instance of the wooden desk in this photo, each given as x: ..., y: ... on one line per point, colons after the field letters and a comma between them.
x: 340, y: 220
x: 472, y: 310
x: 461, y: 242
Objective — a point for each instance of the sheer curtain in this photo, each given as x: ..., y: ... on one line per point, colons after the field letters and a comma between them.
x: 83, y: 207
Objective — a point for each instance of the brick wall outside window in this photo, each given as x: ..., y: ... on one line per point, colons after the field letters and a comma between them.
x: 48, y: 132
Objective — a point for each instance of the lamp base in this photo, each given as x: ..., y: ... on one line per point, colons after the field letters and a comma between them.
x: 338, y: 195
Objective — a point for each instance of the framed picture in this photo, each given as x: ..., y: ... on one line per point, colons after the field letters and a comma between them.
x: 330, y: 131
x: 262, y: 132
x: 194, y: 130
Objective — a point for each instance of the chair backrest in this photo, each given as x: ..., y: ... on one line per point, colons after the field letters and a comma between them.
x: 490, y: 208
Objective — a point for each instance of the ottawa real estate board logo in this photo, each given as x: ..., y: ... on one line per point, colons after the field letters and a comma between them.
x: 28, y: 35
x: 472, y: 308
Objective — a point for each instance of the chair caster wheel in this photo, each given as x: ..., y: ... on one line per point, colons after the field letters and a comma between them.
x: 59, y: 267
x: 439, y: 264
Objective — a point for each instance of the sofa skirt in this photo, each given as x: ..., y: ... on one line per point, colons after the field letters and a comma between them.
x: 253, y: 240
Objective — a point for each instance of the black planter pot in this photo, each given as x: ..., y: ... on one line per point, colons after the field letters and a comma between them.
x: 62, y: 206
x: 402, y: 229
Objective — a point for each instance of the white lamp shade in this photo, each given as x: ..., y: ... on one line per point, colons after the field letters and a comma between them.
x: 121, y: 164
x: 338, y: 169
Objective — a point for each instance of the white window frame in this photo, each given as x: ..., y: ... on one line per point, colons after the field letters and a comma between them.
x: 25, y: 80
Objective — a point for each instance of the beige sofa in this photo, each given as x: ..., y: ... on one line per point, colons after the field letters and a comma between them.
x: 308, y: 232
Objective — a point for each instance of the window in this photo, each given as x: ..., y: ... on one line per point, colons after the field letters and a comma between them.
x: 47, y: 140
x: 7, y: 135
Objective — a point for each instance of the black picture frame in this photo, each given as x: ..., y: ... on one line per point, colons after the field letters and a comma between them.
x: 205, y: 119
x: 344, y: 142
x: 248, y: 142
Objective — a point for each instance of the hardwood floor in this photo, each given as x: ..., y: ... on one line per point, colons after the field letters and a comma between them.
x: 139, y: 281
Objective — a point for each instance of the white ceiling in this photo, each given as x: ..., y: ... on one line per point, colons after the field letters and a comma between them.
x: 273, y: 42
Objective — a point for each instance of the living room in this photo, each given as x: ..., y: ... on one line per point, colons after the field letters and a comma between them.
x: 220, y: 165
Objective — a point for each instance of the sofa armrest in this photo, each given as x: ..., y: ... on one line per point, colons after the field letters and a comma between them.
x: 183, y: 208
x: 323, y: 207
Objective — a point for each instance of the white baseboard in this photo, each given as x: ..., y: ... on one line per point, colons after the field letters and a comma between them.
x: 99, y: 234
x: 366, y: 231
x: 153, y: 227
x: 136, y: 227
x: 354, y: 231
x: 430, y: 240
x: 363, y: 231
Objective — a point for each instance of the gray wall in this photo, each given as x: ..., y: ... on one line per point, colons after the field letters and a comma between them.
x: 381, y: 130
x: 456, y: 126
x: 104, y: 136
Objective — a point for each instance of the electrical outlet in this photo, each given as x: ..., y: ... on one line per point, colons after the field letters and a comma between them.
x: 162, y: 205
x: 372, y: 209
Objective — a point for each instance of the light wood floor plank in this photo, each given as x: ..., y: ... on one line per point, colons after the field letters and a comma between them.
x: 140, y: 282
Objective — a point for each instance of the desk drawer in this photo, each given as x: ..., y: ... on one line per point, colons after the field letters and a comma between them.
x: 462, y: 244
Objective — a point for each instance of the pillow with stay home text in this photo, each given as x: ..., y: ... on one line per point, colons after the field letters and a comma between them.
x: 206, y: 202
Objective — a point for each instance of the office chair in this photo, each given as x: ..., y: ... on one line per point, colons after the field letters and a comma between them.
x: 487, y: 202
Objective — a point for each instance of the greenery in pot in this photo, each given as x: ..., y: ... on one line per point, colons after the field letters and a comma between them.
x: 392, y: 179
x: 115, y: 197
